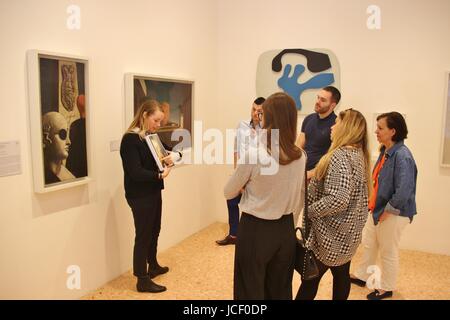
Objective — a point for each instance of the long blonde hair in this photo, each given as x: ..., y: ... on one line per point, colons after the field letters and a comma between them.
x: 352, y: 131
x: 146, y: 109
x: 280, y: 113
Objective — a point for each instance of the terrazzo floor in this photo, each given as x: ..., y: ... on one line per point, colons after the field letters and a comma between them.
x: 202, y: 270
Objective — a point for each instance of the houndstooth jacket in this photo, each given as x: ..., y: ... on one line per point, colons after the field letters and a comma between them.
x: 337, y: 207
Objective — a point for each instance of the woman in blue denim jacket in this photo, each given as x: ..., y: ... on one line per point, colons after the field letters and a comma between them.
x: 392, y: 205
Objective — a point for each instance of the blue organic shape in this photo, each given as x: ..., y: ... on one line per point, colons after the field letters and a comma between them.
x: 291, y: 86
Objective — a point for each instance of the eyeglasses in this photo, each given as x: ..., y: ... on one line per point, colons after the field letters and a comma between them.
x: 62, y: 134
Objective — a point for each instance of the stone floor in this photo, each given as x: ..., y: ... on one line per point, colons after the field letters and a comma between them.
x: 201, y: 270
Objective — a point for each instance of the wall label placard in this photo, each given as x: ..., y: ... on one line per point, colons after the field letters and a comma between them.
x: 10, y: 158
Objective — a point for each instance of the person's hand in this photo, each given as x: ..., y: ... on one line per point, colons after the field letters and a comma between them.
x: 384, y: 216
x: 168, y: 160
x: 166, y: 172
x: 310, y: 174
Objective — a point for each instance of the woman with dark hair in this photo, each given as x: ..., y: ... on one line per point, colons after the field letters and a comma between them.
x: 337, y: 204
x: 265, y: 248
x: 392, y: 204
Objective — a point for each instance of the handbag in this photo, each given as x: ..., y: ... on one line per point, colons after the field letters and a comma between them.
x: 305, y: 261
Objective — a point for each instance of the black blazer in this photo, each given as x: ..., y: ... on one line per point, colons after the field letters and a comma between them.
x: 140, y: 169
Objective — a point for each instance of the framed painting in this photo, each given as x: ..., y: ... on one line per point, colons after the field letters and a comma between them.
x: 59, y: 120
x: 298, y: 72
x: 176, y: 97
x: 157, y: 149
x: 445, y: 147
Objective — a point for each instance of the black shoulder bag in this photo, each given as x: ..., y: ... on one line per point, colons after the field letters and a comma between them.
x: 305, y: 262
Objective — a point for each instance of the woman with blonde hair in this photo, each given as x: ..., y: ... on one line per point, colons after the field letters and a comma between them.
x: 265, y: 247
x: 143, y: 184
x: 337, y: 204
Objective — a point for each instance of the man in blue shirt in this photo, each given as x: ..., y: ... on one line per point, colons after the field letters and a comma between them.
x: 314, y: 137
x: 246, y: 136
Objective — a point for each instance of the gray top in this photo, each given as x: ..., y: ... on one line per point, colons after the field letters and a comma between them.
x: 270, y: 190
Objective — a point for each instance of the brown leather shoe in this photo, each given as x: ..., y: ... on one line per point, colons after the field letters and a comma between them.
x: 227, y: 240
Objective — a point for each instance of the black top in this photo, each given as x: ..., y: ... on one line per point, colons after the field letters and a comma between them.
x: 139, y: 167
x: 77, y: 160
x: 50, y: 177
x: 317, y: 134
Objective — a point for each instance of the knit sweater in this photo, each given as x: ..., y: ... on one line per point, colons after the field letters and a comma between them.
x: 268, y: 194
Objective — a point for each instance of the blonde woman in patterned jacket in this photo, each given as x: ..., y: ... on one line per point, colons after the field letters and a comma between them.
x: 337, y: 204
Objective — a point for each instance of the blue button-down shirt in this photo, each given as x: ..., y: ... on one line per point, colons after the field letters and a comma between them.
x: 396, y: 183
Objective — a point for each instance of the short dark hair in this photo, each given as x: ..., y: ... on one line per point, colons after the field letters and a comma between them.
x: 259, y: 101
x: 395, y: 120
x: 335, y: 93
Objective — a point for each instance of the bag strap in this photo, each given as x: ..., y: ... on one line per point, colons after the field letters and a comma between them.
x: 305, y: 209
x: 305, y: 231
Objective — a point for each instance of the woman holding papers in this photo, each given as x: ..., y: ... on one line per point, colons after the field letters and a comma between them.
x: 143, y: 184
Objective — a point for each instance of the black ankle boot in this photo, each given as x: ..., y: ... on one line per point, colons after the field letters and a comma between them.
x: 156, y: 271
x: 146, y: 285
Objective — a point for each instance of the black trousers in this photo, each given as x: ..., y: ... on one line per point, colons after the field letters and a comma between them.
x: 341, y: 283
x: 264, y: 258
x: 147, y: 224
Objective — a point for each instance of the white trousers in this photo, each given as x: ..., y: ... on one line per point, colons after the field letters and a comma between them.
x: 382, y: 239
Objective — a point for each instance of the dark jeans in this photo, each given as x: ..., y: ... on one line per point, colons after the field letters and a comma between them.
x: 233, y: 214
x: 341, y: 283
x: 264, y: 258
x: 147, y: 223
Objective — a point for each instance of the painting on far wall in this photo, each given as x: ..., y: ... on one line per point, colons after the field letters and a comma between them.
x: 445, y: 153
x: 58, y: 108
x: 175, y: 97
x: 300, y: 73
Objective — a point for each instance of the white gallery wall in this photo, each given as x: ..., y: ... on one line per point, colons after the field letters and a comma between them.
x: 216, y: 43
x: 91, y: 226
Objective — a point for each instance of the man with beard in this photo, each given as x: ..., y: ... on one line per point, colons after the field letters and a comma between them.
x: 314, y: 137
